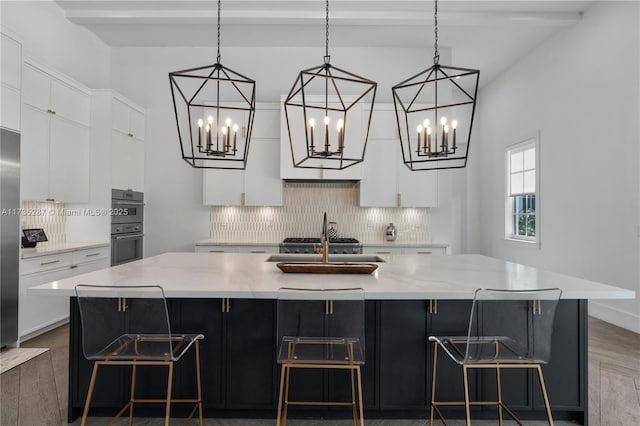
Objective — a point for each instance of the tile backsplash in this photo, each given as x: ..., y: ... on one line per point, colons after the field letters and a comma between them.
x: 52, y: 217
x: 301, y: 216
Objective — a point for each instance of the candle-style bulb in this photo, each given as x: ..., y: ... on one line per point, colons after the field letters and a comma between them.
x: 327, y: 120
x: 312, y: 122
x: 454, y: 124
x: 227, y: 122
x: 443, y: 120
x: 340, y: 124
x: 419, y: 129
x: 426, y: 123
x: 200, y: 122
x: 428, y: 130
x: 224, y: 130
x: 446, y: 128
x: 210, y: 119
x: 235, y: 128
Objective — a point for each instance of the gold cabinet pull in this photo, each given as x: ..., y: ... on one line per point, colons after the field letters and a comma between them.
x: 92, y: 254
x: 326, y: 307
x: 224, y: 305
x: 228, y: 305
x: 49, y: 263
x: 73, y: 266
x: 433, y: 306
x: 330, y: 307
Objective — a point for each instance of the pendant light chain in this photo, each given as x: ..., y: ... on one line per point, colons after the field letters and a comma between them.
x: 326, y: 52
x: 218, y: 57
x: 436, y: 55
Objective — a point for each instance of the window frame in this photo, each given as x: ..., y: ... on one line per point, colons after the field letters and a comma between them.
x: 509, y: 236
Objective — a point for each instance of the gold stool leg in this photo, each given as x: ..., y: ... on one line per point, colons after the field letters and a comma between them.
x: 544, y: 394
x: 466, y: 395
x: 89, y: 394
x: 353, y: 398
x: 279, y: 414
x: 433, y: 382
x: 199, y: 381
x: 169, y: 386
x: 499, y: 396
x: 133, y: 392
x: 286, y: 396
x: 360, y: 396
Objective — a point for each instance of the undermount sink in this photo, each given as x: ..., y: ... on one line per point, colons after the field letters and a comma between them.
x: 333, y: 258
x: 327, y: 268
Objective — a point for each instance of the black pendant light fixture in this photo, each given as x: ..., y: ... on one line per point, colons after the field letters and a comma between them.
x: 214, y: 108
x: 324, y: 122
x: 435, y: 110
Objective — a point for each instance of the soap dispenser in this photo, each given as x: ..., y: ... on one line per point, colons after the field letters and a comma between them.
x: 390, y: 232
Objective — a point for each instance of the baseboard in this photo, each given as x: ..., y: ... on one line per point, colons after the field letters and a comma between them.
x: 48, y: 327
x: 611, y: 315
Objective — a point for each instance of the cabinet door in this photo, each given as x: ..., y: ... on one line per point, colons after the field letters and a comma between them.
x: 11, y: 82
x: 37, y: 312
x: 250, y: 354
x: 565, y: 374
x: 127, y: 162
x: 403, y: 382
x: 36, y: 90
x: 112, y: 383
x: 34, y: 173
x: 223, y: 187
x: 201, y: 316
x: 136, y: 124
x: 69, y: 161
x: 120, y: 116
x: 262, y: 183
x: 70, y: 103
x: 378, y: 186
x: 417, y: 189
x: 450, y: 318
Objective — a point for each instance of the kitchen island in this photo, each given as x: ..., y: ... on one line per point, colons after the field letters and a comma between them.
x: 231, y: 298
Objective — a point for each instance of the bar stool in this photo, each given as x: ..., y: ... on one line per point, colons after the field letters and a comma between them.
x: 129, y: 325
x: 508, y: 329
x: 321, y: 329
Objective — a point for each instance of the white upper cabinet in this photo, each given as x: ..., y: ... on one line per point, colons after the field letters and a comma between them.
x: 11, y: 51
x: 259, y: 184
x: 386, y: 181
x: 288, y: 171
x: 127, y: 144
x: 55, y: 137
x: 127, y: 119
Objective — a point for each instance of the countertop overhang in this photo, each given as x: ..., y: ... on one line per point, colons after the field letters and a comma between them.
x: 400, y: 277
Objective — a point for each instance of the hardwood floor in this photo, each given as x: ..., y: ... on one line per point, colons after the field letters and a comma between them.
x: 614, y: 381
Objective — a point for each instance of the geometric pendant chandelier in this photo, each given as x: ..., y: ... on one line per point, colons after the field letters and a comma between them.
x: 435, y: 110
x: 326, y: 125
x: 214, y: 108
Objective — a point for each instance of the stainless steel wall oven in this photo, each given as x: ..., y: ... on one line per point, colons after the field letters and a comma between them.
x: 126, y: 226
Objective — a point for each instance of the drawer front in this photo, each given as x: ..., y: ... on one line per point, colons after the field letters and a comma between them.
x: 45, y: 263
x: 90, y: 255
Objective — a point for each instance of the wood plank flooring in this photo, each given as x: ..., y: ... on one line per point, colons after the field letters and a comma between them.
x: 614, y: 383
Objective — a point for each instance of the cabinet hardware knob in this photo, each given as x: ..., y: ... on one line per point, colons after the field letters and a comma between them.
x: 92, y: 254
x: 49, y: 263
x: 130, y: 135
x: 73, y: 266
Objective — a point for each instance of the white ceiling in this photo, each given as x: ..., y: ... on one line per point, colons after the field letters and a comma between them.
x: 488, y: 35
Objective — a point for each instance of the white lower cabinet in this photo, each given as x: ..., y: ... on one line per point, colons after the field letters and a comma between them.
x: 236, y: 248
x: 37, y: 313
x: 413, y: 249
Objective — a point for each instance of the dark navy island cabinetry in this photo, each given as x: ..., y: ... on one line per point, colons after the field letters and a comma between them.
x: 239, y: 369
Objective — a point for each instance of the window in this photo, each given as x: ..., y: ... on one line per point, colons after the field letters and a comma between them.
x: 522, y: 192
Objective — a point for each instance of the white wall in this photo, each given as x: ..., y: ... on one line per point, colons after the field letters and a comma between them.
x: 175, y: 216
x: 580, y: 92
x: 50, y: 38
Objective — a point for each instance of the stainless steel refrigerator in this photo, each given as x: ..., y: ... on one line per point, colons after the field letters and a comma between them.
x: 9, y: 235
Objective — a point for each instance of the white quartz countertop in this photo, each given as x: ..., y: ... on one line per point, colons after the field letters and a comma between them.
x: 48, y: 249
x: 244, y: 275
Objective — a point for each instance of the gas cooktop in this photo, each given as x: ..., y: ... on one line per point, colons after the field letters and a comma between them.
x: 306, y: 240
